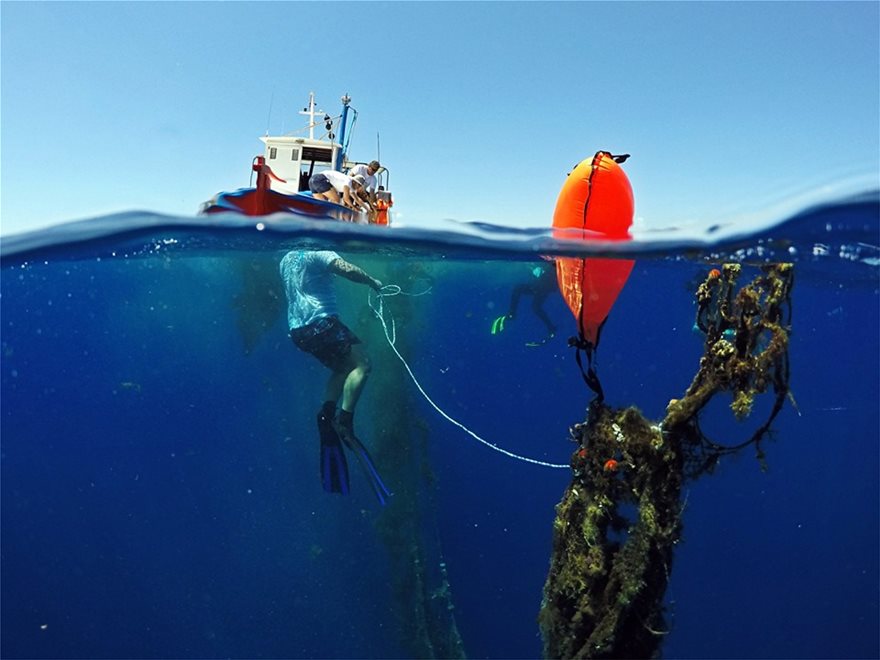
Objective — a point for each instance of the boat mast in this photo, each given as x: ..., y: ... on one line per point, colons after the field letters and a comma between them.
x: 340, y: 157
x: 310, y: 112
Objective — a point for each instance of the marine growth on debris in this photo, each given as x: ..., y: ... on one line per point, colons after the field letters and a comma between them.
x: 620, y: 517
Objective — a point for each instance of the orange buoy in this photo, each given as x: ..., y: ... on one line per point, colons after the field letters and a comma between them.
x: 596, y: 202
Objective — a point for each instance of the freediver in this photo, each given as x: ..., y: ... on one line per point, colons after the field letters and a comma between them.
x: 539, y: 286
x: 315, y: 327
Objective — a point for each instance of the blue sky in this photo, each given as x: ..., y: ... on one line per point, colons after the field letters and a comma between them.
x: 482, y: 108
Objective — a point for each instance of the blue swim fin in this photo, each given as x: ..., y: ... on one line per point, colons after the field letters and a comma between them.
x: 370, y: 472
x: 334, y: 467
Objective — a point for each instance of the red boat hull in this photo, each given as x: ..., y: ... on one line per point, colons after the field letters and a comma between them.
x: 256, y: 202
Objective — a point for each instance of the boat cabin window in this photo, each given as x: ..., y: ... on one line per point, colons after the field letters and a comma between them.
x: 273, y: 152
x: 316, y: 154
x: 294, y: 154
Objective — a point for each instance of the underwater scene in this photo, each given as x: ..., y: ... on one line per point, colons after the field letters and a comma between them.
x: 161, y: 463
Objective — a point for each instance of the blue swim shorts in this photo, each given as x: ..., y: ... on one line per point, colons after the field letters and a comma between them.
x: 318, y: 183
x: 328, y: 339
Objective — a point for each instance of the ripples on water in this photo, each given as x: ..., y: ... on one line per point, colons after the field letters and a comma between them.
x: 844, y: 228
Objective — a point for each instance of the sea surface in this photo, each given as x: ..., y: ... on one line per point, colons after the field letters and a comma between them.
x: 160, y: 477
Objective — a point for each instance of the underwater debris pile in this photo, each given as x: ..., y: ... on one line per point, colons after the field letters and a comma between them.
x: 261, y: 301
x: 422, y: 600
x: 603, y: 597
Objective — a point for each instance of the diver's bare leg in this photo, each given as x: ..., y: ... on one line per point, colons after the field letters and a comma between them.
x: 356, y: 378
x: 335, y: 385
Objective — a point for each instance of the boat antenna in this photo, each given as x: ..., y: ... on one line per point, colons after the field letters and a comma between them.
x: 269, y: 117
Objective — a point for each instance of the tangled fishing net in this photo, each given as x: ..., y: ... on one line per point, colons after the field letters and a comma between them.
x: 620, y: 517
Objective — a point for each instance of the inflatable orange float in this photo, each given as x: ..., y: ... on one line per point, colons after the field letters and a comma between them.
x: 596, y: 202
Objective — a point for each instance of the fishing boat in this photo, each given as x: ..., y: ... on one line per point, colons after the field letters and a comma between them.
x: 289, y: 161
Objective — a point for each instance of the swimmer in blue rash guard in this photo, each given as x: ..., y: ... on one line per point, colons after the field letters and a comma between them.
x: 315, y: 328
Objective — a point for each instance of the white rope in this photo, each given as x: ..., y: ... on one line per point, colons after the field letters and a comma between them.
x: 391, y: 335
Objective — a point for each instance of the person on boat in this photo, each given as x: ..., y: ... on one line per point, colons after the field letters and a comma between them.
x: 539, y: 287
x: 337, y: 187
x: 381, y: 207
x: 362, y: 197
x: 369, y: 171
x: 315, y: 328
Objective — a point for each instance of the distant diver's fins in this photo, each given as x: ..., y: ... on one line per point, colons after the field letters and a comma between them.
x: 498, y: 324
x: 334, y: 467
x: 379, y: 489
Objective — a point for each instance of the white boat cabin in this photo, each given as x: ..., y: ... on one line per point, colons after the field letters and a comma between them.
x: 294, y: 159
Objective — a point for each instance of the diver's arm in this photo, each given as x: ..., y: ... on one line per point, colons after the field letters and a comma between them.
x: 351, y: 272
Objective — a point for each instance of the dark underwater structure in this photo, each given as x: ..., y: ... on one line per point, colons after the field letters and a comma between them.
x: 620, y: 518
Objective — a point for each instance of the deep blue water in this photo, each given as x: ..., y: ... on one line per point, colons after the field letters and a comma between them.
x: 160, y: 490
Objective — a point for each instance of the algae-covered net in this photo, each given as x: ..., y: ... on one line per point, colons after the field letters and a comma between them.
x: 620, y: 517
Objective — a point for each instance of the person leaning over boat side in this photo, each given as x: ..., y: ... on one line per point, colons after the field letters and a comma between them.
x: 369, y: 173
x: 360, y: 194
x: 336, y: 187
x: 315, y: 328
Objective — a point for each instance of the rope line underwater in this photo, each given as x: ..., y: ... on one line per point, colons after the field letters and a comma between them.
x: 390, y: 290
